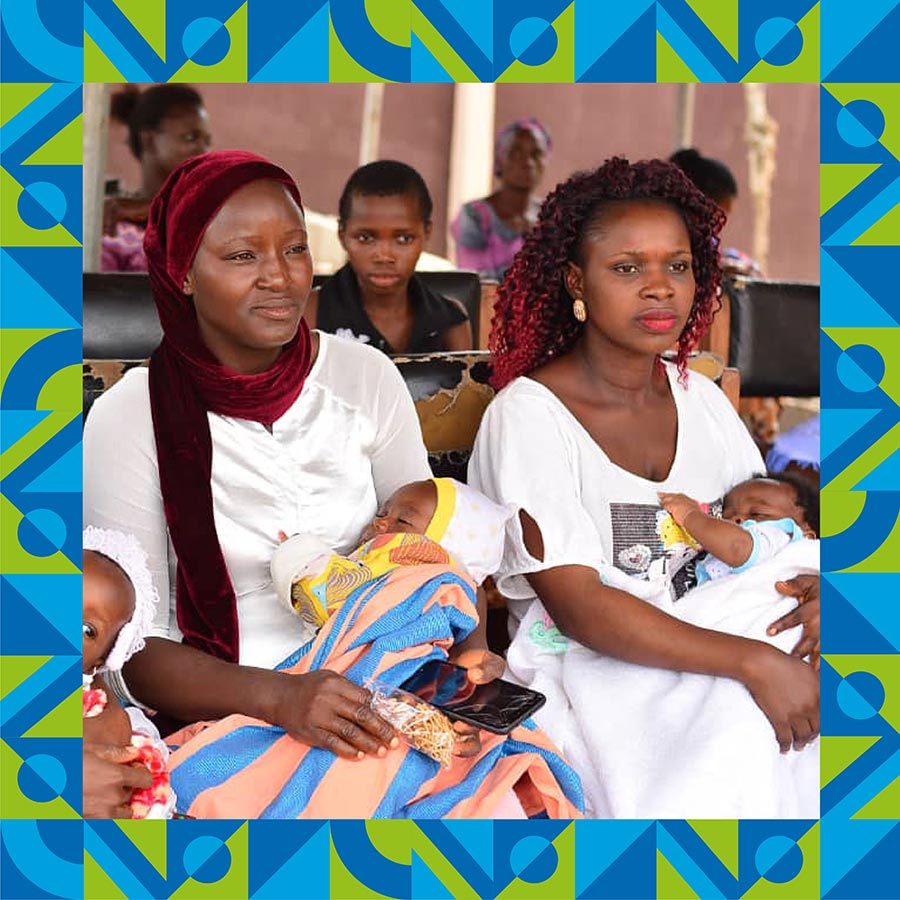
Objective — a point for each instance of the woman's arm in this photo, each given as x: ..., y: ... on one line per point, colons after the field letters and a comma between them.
x: 128, y: 209
x: 618, y: 624
x: 321, y: 709
x: 470, y: 232
x: 473, y: 653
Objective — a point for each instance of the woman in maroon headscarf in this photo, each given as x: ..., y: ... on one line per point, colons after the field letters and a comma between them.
x: 246, y: 423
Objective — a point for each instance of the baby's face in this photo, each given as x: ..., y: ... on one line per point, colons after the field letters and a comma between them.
x: 763, y: 500
x: 108, y: 605
x: 408, y: 510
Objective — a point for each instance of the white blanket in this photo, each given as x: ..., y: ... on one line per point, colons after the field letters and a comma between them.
x: 654, y: 744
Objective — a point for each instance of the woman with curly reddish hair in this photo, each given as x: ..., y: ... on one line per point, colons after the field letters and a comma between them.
x: 590, y: 425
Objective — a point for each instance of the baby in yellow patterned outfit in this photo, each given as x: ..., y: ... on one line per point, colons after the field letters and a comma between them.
x: 439, y: 521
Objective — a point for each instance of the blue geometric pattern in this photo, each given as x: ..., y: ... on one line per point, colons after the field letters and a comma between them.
x: 45, y: 850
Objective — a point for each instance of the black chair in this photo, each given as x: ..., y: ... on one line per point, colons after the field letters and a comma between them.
x: 464, y: 287
x: 120, y: 320
x: 112, y: 333
x: 773, y: 337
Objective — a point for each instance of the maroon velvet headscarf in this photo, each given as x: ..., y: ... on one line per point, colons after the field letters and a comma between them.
x: 186, y: 382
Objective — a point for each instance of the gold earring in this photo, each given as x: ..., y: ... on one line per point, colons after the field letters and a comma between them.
x: 579, y: 310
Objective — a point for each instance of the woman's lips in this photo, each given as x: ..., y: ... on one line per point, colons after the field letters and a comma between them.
x: 658, y: 321
x: 277, y: 313
x: 384, y: 279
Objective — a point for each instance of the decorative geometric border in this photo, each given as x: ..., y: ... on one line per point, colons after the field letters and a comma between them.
x: 49, y: 47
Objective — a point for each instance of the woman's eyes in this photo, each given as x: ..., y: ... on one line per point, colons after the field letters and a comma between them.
x: 247, y: 255
x: 679, y: 267
x: 365, y: 237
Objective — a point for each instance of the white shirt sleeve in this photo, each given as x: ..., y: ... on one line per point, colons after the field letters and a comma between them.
x: 398, y: 454
x: 121, y: 478
x: 522, y: 457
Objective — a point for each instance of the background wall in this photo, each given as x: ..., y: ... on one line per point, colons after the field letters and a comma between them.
x: 313, y: 131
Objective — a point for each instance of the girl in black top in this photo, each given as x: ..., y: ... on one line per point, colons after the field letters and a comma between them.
x: 384, y: 221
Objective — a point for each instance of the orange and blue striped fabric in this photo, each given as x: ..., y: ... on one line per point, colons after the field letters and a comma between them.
x: 243, y: 768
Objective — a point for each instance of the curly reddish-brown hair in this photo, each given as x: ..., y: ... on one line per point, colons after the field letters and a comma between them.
x: 533, y: 321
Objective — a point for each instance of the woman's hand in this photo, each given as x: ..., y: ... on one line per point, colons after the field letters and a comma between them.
x: 482, y: 666
x: 786, y: 689
x: 324, y: 709
x: 806, y: 589
x: 109, y: 777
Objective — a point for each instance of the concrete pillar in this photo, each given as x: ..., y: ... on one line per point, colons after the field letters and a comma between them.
x: 684, y: 116
x: 471, y: 172
x: 95, y: 127
x: 762, y: 139
x: 370, y: 132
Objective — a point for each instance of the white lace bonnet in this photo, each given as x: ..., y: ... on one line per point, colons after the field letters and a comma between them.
x: 127, y: 553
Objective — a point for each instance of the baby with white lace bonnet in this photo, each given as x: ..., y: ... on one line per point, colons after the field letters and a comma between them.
x: 118, y: 604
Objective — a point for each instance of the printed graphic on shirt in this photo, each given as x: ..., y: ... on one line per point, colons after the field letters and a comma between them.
x: 650, y: 545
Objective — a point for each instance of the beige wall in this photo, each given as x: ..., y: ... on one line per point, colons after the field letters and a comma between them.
x: 313, y: 130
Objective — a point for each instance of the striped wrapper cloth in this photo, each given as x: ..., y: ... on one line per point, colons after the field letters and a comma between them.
x: 243, y: 768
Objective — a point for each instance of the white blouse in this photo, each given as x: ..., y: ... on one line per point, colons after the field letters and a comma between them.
x: 350, y: 440
x: 532, y: 452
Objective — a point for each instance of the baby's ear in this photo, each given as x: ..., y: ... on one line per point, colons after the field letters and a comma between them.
x: 187, y: 286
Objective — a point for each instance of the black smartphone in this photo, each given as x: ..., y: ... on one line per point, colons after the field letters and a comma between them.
x: 497, y: 706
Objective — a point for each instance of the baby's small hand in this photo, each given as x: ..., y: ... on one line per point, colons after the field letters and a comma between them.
x: 282, y: 537
x: 679, y: 506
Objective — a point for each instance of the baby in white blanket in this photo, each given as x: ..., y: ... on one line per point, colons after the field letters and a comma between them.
x: 760, y: 517
x: 652, y: 743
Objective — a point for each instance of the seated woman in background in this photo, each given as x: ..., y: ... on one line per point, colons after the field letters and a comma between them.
x: 384, y: 222
x: 489, y: 232
x: 589, y: 426
x: 244, y: 424
x: 167, y: 124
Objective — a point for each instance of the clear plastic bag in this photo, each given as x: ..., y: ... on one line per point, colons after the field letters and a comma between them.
x: 421, y: 725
